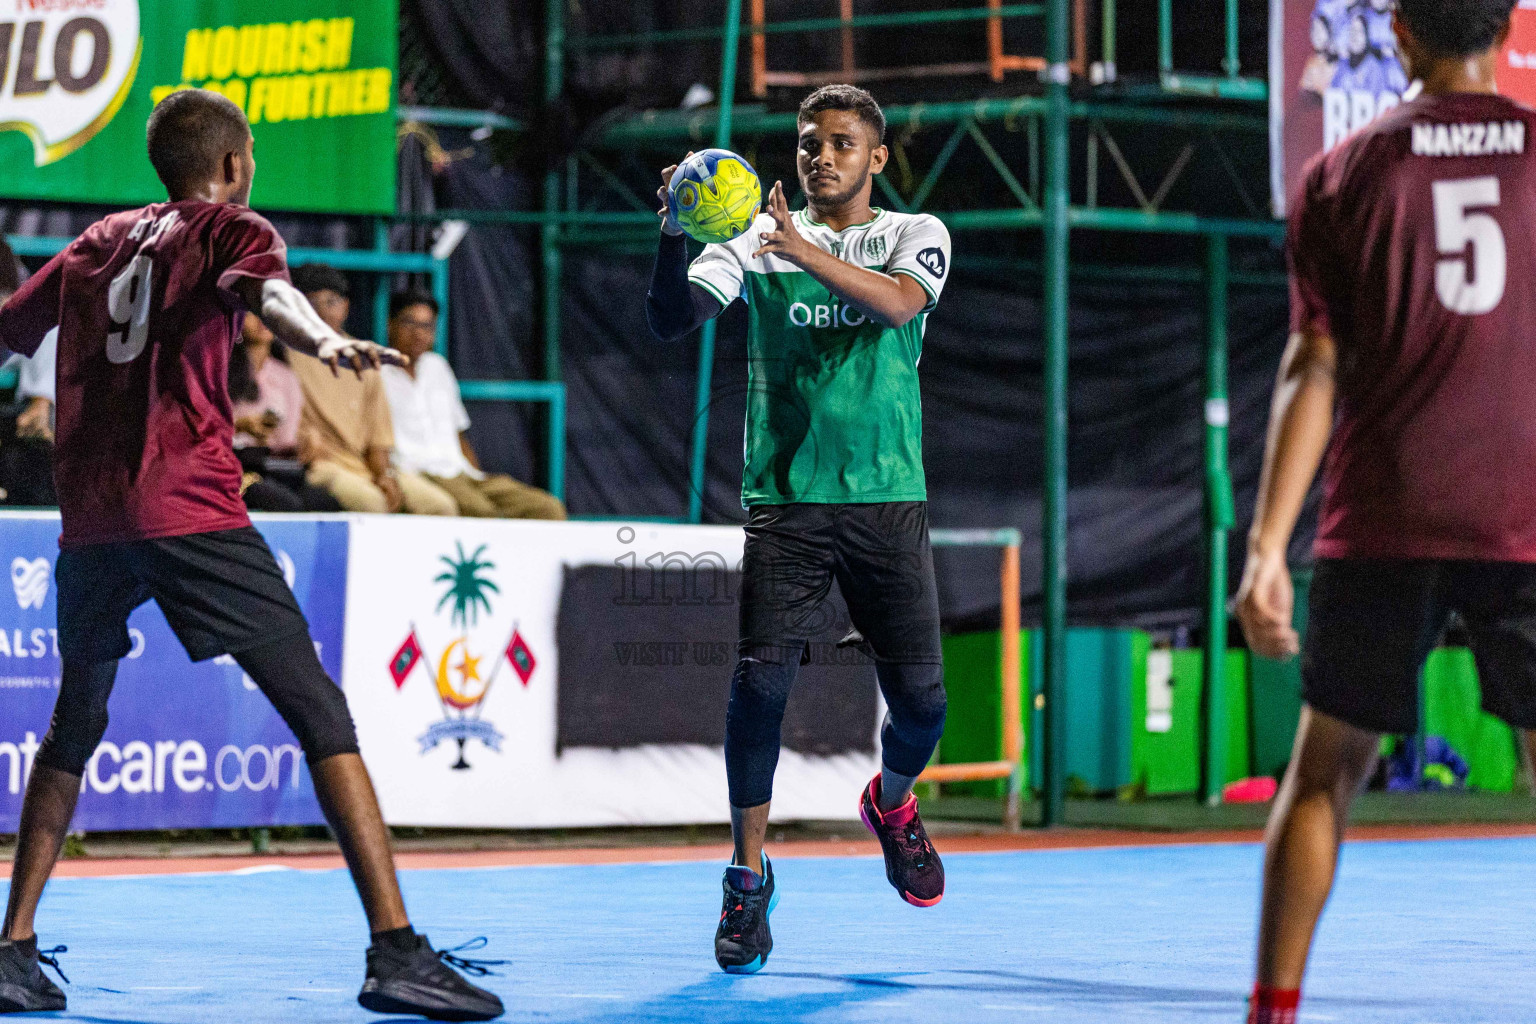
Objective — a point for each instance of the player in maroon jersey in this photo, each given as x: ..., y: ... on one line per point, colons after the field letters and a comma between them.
x: 1413, y: 294
x: 148, y: 304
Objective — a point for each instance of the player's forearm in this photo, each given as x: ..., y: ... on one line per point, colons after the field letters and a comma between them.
x: 285, y: 310
x: 881, y: 297
x: 671, y: 308
x: 1301, y: 420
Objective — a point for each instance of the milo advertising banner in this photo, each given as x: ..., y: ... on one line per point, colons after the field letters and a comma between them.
x: 1334, y: 68
x: 78, y: 79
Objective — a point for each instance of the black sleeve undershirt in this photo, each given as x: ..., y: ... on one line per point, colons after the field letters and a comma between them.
x: 674, y: 306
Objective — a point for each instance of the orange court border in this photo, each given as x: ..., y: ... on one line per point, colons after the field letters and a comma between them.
x: 1062, y: 839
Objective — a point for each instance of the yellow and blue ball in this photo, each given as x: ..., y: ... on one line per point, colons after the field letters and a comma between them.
x: 714, y: 195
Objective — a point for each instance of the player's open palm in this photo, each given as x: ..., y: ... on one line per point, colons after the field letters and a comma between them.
x: 668, y: 222
x: 785, y: 239
x: 1265, y: 601
x: 355, y: 355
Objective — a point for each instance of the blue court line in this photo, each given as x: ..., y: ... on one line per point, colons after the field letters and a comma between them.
x: 1418, y: 933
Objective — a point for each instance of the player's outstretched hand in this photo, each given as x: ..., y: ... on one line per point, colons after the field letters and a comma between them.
x: 1264, y: 604
x: 668, y: 224
x: 357, y: 356
x: 785, y: 239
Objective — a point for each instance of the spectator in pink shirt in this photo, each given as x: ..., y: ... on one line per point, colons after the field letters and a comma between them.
x: 268, y: 401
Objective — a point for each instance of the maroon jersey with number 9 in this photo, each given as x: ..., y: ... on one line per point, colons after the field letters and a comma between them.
x: 1413, y: 244
x: 146, y: 321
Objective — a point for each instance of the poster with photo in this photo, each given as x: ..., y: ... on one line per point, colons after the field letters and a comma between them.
x: 1334, y: 68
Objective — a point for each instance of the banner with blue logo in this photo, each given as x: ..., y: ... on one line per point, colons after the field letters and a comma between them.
x: 189, y: 745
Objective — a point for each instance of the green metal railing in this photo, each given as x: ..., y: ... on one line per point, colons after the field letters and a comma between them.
x: 657, y: 127
x: 1230, y: 84
x: 548, y: 392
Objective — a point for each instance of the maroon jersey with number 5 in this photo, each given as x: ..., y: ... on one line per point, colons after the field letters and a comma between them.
x: 1413, y: 244
x: 146, y: 321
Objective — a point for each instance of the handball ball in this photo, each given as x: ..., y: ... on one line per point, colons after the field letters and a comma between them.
x: 714, y: 195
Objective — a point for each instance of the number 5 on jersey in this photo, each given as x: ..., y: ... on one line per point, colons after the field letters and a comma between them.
x: 128, y: 302
x: 1456, y: 227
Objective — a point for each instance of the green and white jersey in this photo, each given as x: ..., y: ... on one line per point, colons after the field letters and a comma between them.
x: 833, y: 408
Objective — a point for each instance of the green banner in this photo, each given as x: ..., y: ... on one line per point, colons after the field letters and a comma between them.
x: 78, y: 79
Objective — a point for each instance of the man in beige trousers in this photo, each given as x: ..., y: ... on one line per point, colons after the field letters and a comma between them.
x: 430, y: 423
x: 346, y: 437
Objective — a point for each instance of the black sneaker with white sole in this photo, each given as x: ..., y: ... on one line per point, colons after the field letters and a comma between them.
x: 422, y: 982
x: 24, y: 988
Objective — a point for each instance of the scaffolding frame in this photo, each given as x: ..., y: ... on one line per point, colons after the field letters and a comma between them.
x: 1044, y: 204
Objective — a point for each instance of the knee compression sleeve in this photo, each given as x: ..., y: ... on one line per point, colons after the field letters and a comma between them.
x: 759, y: 693
x: 291, y: 676
x: 914, y: 721
x: 79, y: 715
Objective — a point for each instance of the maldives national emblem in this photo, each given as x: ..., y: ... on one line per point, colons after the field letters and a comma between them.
x: 461, y: 679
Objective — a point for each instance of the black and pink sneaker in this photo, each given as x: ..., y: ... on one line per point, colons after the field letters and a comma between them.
x: 743, y: 939
x: 911, y: 863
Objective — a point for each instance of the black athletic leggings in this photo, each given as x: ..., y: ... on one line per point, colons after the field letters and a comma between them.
x: 286, y: 670
x: 914, y: 720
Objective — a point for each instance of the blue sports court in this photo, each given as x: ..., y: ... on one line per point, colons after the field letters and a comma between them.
x: 1430, y: 932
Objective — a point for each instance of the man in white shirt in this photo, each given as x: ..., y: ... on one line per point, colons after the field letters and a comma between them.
x: 430, y: 423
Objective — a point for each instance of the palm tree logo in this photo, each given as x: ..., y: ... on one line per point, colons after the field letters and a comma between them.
x: 466, y: 586
x: 461, y: 682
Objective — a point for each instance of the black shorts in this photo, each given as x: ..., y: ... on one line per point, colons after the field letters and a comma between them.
x: 1373, y: 622
x: 221, y: 592
x: 879, y: 555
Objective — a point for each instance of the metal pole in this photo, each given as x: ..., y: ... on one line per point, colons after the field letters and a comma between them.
x: 1219, y: 515
x: 440, y: 293
x: 549, y: 233
x: 381, y: 284
x: 1108, y: 56
x: 557, y: 444
x: 1165, y: 37
x: 1231, y: 64
x: 1012, y: 699
x: 1054, y: 538
x: 699, y: 463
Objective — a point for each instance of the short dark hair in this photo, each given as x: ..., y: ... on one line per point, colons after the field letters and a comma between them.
x: 190, y: 131
x: 1456, y: 28
x: 321, y: 277
x: 844, y: 97
x: 401, y: 301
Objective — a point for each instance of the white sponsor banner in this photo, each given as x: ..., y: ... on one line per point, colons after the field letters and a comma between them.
x: 451, y: 671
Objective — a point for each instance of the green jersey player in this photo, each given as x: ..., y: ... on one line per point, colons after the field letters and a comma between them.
x: 837, y: 297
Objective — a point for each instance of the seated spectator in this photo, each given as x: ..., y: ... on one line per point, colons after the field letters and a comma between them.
x: 26, y: 429
x: 268, y: 404
x: 430, y: 423
x: 345, y: 434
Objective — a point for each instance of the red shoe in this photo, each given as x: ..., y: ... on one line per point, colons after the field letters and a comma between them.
x: 911, y: 863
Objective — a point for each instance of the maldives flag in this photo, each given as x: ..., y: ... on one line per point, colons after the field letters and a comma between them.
x: 521, y: 657
x: 405, y: 659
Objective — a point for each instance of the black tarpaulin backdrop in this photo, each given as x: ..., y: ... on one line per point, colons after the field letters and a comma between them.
x: 1136, y: 546
x: 1135, y: 543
